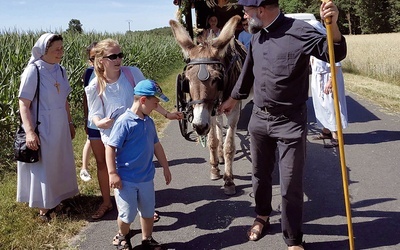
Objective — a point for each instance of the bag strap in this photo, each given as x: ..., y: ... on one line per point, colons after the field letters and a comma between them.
x: 38, y: 94
x: 129, y: 76
x: 62, y: 71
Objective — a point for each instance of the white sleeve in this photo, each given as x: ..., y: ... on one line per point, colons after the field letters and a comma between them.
x: 95, y: 103
x: 27, y: 88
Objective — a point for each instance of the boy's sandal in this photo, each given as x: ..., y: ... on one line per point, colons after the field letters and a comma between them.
x: 123, y: 242
x: 103, y: 209
x: 322, y: 136
x: 257, y: 234
x: 115, y: 240
x: 150, y: 244
x: 129, y: 235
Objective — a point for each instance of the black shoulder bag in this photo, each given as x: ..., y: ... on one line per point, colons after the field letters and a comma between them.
x: 21, y: 151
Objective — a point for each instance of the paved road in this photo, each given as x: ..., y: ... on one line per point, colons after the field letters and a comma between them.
x: 195, y: 214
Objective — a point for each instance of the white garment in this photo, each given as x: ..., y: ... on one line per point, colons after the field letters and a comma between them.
x: 46, y: 183
x: 116, y: 94
x: 211, y: 34
x: 324, y: 103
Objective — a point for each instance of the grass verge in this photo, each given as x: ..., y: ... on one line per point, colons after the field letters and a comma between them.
x: 384, y: 94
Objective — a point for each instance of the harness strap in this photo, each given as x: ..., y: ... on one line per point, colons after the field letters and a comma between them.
x: 234, y: 59
x: 204, y: 60
x: 203, y: 74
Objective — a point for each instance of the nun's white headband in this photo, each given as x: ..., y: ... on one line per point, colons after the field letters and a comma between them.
x: 39, y: 49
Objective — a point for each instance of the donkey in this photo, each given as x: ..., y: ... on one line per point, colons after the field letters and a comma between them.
x: 213, y: 67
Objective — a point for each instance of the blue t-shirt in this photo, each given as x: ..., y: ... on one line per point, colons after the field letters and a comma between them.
x: 245, y: 37
x: 134, y: 139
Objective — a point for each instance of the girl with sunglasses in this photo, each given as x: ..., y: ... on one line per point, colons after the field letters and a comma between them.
x: 108, y: 94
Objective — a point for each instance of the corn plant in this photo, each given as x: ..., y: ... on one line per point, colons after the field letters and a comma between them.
x: 154, y: 54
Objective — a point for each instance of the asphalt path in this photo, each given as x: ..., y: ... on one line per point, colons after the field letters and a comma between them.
x: 196, y: 214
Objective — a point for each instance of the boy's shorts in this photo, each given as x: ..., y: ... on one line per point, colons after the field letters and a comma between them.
x: 133, y: 198
x: 93, y: 134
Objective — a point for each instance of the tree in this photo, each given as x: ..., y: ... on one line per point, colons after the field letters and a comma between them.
x: 374, y: 16
x: 394, y: 19
x: 348, y: 21
x: 75, y: 26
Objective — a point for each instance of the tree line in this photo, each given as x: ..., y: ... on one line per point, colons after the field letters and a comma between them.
x: 356, y: 16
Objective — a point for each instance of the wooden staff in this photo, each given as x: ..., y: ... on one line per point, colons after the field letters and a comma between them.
x: 328, y: 23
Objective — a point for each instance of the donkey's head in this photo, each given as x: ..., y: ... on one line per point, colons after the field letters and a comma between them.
x: 205, y: 70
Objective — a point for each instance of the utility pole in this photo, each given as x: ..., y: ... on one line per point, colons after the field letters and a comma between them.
x: 129, y: 24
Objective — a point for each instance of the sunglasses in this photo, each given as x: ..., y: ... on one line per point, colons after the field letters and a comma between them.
x: 91, y: 59
x: 114, y: 56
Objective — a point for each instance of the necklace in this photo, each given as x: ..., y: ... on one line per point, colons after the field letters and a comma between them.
x: 57, y: 85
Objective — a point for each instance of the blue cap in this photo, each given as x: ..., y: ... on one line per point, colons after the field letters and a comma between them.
x: 256, y: 3
x: 150, y: 88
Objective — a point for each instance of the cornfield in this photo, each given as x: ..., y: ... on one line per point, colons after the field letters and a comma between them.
x: 154, y: 54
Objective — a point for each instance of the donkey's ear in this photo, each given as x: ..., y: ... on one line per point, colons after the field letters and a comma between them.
x: 182, y: 37
x: 228, y: 31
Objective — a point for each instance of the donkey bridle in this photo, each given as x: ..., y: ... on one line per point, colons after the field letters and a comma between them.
x: 203, y: 75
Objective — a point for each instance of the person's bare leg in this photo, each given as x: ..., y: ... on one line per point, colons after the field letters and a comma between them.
x: 147, y: 227
x: 102, y: 173
x: 84, y: 174
x: 86, y: 155
x: 123, y: 228
x: 122, y: 240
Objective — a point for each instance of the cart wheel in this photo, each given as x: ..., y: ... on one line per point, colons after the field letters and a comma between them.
x: 181, y: 106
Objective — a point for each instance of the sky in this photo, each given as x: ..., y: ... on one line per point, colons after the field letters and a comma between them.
x: 95, y: 15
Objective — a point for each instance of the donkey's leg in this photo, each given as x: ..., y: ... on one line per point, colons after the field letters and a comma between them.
x: 230, y: 150
x: 220, y: 137
x: 213, y: 147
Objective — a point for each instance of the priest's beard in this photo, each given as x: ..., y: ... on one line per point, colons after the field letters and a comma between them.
x: 255, y: 25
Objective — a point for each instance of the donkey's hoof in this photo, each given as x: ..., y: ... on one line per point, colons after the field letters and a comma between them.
x: 215, y: 174
x: 230, y: 189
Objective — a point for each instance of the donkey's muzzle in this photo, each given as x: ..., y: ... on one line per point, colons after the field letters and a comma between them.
x: 201, y: 129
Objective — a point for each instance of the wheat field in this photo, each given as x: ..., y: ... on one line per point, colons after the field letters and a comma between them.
x: 375, y: 56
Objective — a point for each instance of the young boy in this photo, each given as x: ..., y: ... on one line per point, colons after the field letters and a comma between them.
x: 131, y: 169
